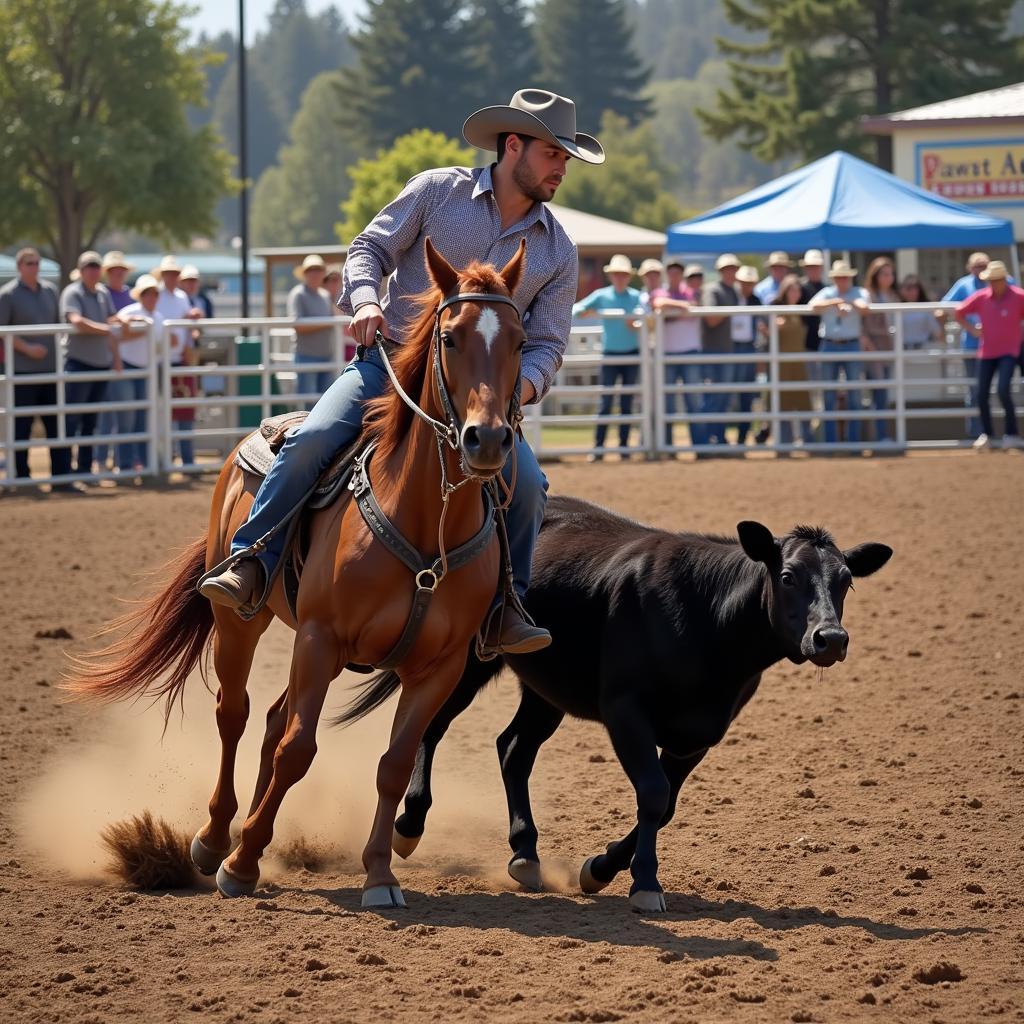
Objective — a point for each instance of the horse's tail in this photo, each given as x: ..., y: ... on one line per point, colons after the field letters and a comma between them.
x: 165, y: 639
x: 375, y: 691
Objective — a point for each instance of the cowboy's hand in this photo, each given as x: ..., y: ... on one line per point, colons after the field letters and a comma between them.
x: 34, y: 350
x: 368, y: 320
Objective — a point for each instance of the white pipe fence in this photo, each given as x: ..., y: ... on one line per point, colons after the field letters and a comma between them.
x: 253, y: 374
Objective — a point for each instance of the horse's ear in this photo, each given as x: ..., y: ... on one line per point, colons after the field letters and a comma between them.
x: 513, y: 270
x: 441, y: 271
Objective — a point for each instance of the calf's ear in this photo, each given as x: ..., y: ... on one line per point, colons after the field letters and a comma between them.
x: 865, y: 559
x: 759, y: 544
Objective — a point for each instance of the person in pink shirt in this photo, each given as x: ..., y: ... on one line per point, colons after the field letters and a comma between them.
x: 1000, y: 308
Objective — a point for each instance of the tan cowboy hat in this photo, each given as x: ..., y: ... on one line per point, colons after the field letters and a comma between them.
x: 813, y: 258
x: 168, y: 265
x: 619, y: 264
x: 189, y: 272
x: 311, y: 262
x: 748, y: 274
x: 89, y: 258
x: 995, y: 271
x: 975, y: 258
x: 727, y: 259
x: 115, y: 258
x: 779, y: 259
x: 333, y: 270
x: 144, y: 283
x: 649, y: 266
x: 693, y: 270
x: 840, y: 268
x: 540, y: 115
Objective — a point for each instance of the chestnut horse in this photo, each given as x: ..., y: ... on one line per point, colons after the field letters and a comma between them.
x: 354, y: 596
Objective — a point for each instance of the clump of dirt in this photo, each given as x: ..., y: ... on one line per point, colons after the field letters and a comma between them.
x: 312, y: 854
x: 149, y: 854
x: 60, y: 633
x: 942, y: 971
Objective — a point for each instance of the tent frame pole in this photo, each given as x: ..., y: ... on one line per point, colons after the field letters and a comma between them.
x: 1014, y: 261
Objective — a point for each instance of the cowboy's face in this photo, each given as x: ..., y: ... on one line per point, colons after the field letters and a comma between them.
x: 675, y: 276
x: 116, y: 276
x: 728, y: 274
x: 90, y: 275
x: 314, y: 277
x: 148, y: 299
x: 746, y: 289
x: 978, y: 266
x: 813, y: 272
x: 170, y: 279
x: 28, y: 269
x: 539, y: 167
x: 778, y: 271
x: 652, y: 280
x: 619, y: 280
x: 998, y: 286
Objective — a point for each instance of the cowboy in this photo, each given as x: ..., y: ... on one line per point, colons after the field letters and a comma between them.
x: 314, y: 343
x: 469, y: 214
x: 115, y: 272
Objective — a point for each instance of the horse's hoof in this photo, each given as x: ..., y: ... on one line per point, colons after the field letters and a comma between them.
x: 384, y: 896
x: 644, y: 901
x: 526, y: 873
x: 404, y: 846
x: 588, y: 883
x: 230, y: 886
x: 206, y: 859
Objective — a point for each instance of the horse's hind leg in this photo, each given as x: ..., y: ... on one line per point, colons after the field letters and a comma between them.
x: 533, y: 724
x: 277, y: 720
x: 234, y: 645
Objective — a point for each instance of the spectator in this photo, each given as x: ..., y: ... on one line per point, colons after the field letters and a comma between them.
x: 792, y: 339
x: 191, y: 284
x: 86, y: 305
x: 841, y: 306
x: 1000, y: 309
x: 878, y: 334
x: 26, y: 301
x: 680, y: 334
x: 779, y: 266
x: 961, y: 289
x: 313, y: 344
x: 745, y: 331
x: 619, y: 339
x: 810, y: 284
x: 716, y: 338
x: 333, y: 282
x: 173, y: 304
x: 115, y: 271
x: 136, y: 354
x: 650, y: 273
x: 920, y: 326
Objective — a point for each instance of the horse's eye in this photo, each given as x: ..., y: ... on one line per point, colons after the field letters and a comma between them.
x: 448, y: 340
x: 788, y: 579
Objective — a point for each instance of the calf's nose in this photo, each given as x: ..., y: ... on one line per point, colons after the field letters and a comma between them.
x: 831, y: 640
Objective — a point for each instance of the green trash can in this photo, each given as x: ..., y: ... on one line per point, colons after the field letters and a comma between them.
x: 247, y: 353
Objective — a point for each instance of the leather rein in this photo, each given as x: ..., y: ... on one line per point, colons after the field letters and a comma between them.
x: 428, y: 575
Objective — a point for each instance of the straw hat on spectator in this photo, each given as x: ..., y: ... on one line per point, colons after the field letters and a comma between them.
x: 189, y: 272
x: 813, y: 258
x: 977, y: 257
x: 168, y: 265
x: 115, y: 258
x: 748, y: 274
x: 311, y: 262
x: 693, y: 270
x: 650, y: 266
x: 727, y: 259
x: 779, y: 259
x: 995, y: 271
x: 333, y: 270
x: 840, y: 268
x: 144, y: 283
x: 619, y: 264
x: 89, y: 258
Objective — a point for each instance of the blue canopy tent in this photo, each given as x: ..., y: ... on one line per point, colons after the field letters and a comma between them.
x: 838, y: 203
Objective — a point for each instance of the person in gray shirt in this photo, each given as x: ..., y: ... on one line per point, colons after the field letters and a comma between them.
x: 26, y: 301
x: 92, y: 345
x: 716, y: 336
x: 312, y: 344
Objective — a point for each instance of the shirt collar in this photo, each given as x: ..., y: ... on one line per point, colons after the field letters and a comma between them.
x: 537, y: 213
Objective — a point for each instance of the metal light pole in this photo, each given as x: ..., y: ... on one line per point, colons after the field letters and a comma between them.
x: 243, y: 158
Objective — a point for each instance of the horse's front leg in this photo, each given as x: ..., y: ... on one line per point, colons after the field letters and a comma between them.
x: 422, y: 697
x: 315, y: 662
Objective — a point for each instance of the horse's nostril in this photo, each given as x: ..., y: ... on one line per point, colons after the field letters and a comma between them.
x: 471, y: 438
x: 508, y: 440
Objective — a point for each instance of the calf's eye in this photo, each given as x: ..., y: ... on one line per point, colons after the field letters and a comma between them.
x: 788, y: 579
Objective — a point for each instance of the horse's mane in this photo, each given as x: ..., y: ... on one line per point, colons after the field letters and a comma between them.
x: 387, y: 419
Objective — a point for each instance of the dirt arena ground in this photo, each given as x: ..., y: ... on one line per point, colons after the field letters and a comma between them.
x: 852, y: 851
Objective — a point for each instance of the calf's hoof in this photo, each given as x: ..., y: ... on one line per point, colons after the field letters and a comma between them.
x: 230, y: 886
x: 526, y: 873
x: 644, y: 901
x: 384, y: 897
x: 588, y: 883
x: 404, y: 846
x: 205, y: 858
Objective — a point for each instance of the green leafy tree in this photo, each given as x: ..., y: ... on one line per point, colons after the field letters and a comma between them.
x: 818, y: 66
x: 504, y: 55
x: 413, y: 71
x: 628, y: 185
x: 375, y: 182
x: 296, y: 200
x: 586, y: 52
x: 93, y: 126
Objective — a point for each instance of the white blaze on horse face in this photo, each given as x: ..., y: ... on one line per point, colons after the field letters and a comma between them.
x: 488, y: 326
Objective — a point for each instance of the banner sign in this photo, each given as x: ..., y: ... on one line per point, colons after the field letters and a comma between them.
x: 983, y: 170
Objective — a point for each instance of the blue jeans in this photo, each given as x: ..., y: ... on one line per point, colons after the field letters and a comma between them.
x: 718, y: 401
x: 987, y: 369
x: 82, y: 424
x: 610, y: 375
x: 183, y: 445
x: 880, y: 397
x: 852, y: 371
x: 971, y: 400
x: 691, y: 374
x: 130, y: 421
x: 746, y: 373
x: 335, y: 423
x: 106, y: 424
x: 314, y: 382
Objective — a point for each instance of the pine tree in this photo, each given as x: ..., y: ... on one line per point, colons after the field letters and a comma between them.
x: 414, y: 70
x: 586, y: 52
x: 868, y: 57
x: 504, y: 54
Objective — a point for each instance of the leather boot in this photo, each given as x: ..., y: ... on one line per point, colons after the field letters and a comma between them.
x: 510, y: 633
x: 238, y: 585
